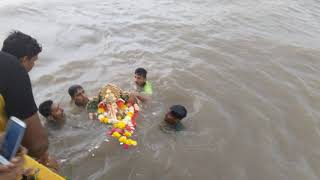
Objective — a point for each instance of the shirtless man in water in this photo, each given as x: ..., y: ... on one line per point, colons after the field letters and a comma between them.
x: 80, y: 99
x: 78, y: 95
x: 54, y: 114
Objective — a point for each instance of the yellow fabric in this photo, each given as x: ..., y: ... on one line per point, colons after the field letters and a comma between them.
x: 3, y: 118
x: 43, y: 173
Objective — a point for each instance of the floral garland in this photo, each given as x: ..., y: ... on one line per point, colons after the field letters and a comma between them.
x: 121, y: 114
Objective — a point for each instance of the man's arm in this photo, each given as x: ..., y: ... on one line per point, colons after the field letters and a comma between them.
x: 146, y: 94
x: 36, y: 137
x: 143, y: 97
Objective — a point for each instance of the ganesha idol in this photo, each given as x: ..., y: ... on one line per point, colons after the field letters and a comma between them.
x: 116, y: 108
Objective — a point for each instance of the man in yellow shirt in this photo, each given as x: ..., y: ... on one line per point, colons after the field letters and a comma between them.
x: 144, y: 87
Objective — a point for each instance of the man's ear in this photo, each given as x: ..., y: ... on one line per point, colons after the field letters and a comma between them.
x: 50, y: 118
x: 24, y: 59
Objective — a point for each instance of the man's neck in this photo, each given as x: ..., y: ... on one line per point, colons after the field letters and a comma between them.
x: 80, y: 105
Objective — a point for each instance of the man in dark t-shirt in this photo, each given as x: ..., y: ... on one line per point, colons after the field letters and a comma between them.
x: 15, y: 88
x: 173, y: 117
x: 17, y: 57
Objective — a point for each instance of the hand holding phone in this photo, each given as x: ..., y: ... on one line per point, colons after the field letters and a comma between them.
x: 14, y: 168
x: 12, y: 139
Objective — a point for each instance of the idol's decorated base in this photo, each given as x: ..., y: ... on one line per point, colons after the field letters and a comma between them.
x: 114, y: 107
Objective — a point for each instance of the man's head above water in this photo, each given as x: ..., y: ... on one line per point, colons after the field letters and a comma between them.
x: 51, y: 110
x: 140, y: 76
x: 175, y: 114
x: 23, y: 47
x: 78, y: 95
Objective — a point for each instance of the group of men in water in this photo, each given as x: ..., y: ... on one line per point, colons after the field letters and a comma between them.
x: 17, y: 57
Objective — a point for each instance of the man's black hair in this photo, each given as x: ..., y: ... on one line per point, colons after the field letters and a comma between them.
x: 141, y: 72
x: 178, y: 111
x: 20, y: 45
x: 73, y: 89
x: 45, y: 108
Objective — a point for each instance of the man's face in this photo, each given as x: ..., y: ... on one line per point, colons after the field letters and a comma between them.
x: 139, y: 80
x: 28, y: 63
x: 170, y: 119
x: 57, y: 112
x: 80, y: 98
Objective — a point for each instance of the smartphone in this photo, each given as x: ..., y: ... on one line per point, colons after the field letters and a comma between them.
x: 14, y: 133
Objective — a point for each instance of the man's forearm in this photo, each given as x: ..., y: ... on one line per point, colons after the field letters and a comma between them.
x: 143, y: 97
x: 36, y: 137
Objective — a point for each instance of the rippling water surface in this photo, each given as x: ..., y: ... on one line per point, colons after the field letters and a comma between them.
x: 248, y: 72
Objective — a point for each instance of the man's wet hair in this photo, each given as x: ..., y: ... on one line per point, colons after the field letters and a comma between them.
x: 141, y: 72
x: 45, y: 108
x: 73, y: 89
x: 20, y: 45
x: 178, y: 111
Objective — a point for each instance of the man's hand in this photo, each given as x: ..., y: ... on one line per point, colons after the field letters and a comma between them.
x: 143, y: 97
x: 15, y: 168
x: 53, y: 164
x: 49, y: 162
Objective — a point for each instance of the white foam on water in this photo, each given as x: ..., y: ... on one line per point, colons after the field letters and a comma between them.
x: 4, y: 3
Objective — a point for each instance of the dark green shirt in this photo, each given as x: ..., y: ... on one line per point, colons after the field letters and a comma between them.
x: 165, y: 127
